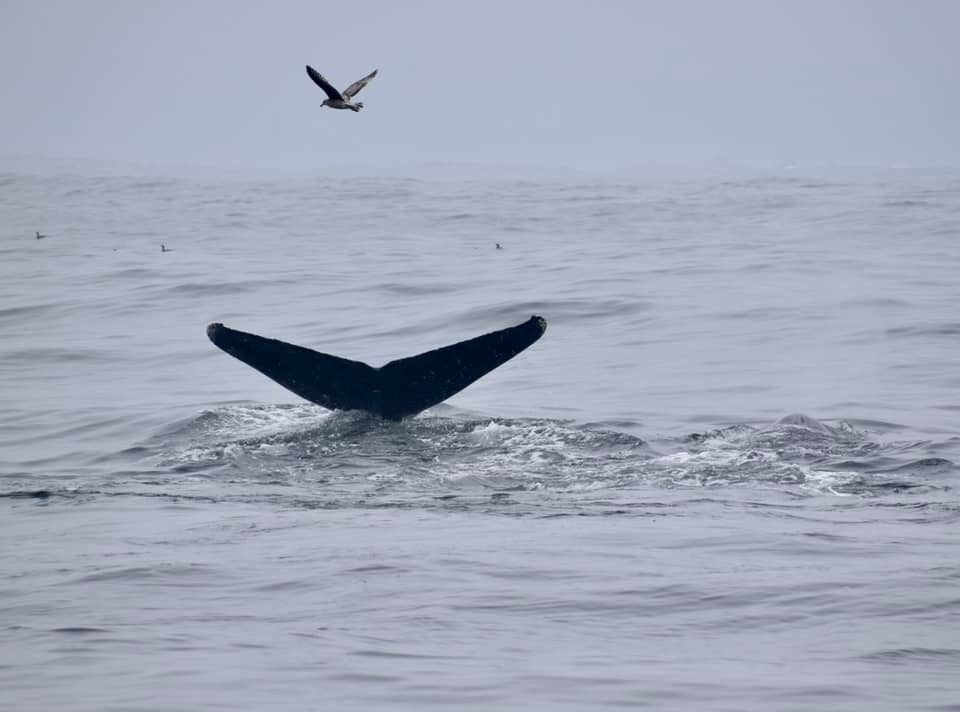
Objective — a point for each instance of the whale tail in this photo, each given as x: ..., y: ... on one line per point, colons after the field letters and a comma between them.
x: 399, y: 389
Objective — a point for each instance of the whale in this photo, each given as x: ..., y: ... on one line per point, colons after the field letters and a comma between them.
x: 397, y: 390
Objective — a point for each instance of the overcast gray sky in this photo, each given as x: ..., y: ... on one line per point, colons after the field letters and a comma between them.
x: 603, y: 84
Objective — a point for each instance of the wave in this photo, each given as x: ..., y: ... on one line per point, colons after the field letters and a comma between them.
x: 306, y: 456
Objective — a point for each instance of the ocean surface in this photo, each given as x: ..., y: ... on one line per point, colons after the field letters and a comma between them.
x: 725, y: 478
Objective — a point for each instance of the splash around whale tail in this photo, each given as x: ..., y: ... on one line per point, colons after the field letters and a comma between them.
x: 399, y: 389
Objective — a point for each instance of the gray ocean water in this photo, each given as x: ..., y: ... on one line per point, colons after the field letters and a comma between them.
x: 725, y: 478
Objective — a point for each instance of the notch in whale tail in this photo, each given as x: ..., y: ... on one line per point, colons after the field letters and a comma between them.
x: 399, y: 389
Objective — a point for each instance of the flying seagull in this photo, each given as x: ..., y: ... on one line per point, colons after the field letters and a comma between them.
x: 336, y: 99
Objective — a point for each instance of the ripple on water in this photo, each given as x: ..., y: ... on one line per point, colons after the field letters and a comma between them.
x: 312, y: 457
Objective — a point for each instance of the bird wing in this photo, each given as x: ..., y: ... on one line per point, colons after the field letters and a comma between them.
x: 323, y: 83
x: 354, y: 89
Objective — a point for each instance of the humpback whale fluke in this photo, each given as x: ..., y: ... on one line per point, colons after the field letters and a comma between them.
x: 336, y: 99
x: 400, y: 388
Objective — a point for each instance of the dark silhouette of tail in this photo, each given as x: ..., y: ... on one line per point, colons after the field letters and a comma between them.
x: 400, y: 388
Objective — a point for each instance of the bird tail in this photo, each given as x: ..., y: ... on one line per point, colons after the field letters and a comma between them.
x: 359, y: 105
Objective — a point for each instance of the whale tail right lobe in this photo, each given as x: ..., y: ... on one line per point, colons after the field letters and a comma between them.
x: 399, y: 389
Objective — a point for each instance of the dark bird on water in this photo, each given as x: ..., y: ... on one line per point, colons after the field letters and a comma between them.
x: 164, y: 248
x: 336, y: 99
x: 39, y: 236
